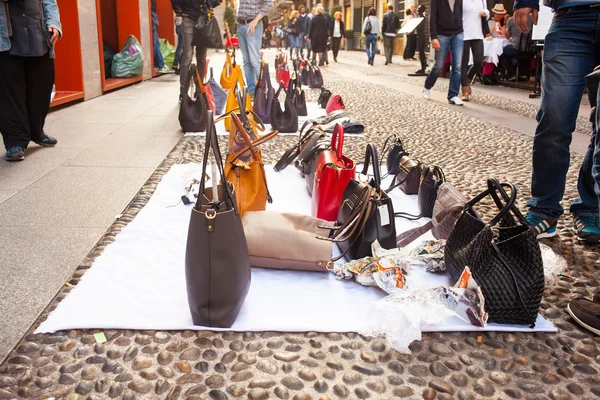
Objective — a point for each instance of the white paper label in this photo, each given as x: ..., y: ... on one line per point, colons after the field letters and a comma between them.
x: 384, y: 216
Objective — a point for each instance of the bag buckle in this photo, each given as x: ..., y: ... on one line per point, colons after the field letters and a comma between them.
x: 210, y: 215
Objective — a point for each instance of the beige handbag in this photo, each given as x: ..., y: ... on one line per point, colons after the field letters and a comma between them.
x: 286, y: 241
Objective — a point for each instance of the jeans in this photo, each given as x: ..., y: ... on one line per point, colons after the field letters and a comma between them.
x: 177, y: 56
x: 188, y: 26
x: 508, y: 52
x: 388, y: 46
x: 571, y: 51
x: 455, y: 45
x: 159, y: 62
x: 371, y: 42
x: 250, y: 47
x: 466, y: 73
x: 294, y: 44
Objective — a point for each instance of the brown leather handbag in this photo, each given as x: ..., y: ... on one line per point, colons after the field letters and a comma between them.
x: 217, y: 264
x: 408, y: 176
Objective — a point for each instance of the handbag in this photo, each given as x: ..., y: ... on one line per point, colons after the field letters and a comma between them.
x: 306, y: 142
x: 332, y: 174
x: 210, y: 98
x: 233, y: 103
x: 314, y: 76
x: 219, y: 95
x: 217, y: 265
x: 192, y: 112
x: 504, y: 257
x: 207, y: 33
x: 284, y: 120
x: 324, y: 97
x: 485, y: 28
x: 368, y: 27
x: 432, y: 178
x: 283, y: 73
x: 393, y: 150
x: 231, y: 73
x: 408, y: 176
x: 263, y: 97
x: 378, y: 222
x: 334, y: 103
x: 298, y: 247
x: 299, y: 101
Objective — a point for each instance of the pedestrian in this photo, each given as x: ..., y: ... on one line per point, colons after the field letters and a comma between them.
x: 421, y: 39
x: 294, y: 33
x: 512, y: 33
x: 411, y: 38
x: 570, y: 52
x: 303, y: 20
x: 177, y: 57
x: 313, y: 13
x: 371, y: 31
x: 249, y: 32
x: 278, y: 36
x: 159, y: 62
x: 390, y: 25
x: 337, y: 34
x: 329, y: 20
x: 28, y: 32
x: 473, y: 12
x: 446, y: 30
x: 318, y: 34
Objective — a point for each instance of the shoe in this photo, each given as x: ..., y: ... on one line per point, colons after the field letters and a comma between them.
x: 176, y: 70
x: 465, y: 93
x: 46, y: 141
x: 420, y: 71
x: 165, y: 70
x: 586, y: 313
x: 511, y: 78
x: 16, y: 153
x: 387, y: 62
x: 412, y: 59
x: 456, y: 101
x: 544, y: 228
x: 426, y: 94
x: 587, y: 228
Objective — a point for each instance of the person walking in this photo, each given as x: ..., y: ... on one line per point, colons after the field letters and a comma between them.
x: 421, y: 39
x: 159, y: 61
x: 249, y: 32
x: 574, y: 27
x: 28, y: 32
x: 446, y: 30
x: 177, y: 57
x: 318, y: 34
x: 411, y: 38
x: 329, y: 20
x: 337, y: 34
x: 313, y: 12
x: 303, y: 20
x: 473, y: 12
x: 371, y: 31
x: 294, y: 33
x: 390, y: 25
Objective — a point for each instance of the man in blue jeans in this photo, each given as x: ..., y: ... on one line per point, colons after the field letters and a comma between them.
x: 446, y: 30
x: 249, y: 32
x: 571, y: 51
x: 159, y: 62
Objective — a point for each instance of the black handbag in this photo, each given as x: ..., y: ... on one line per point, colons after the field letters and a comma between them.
x: 192, y: 112
x: 393, y: 150
x: 374, y: 222
x: 207, y: 33
x: 316, y: 141
x: 432, y: 178
x: 324, y: 97
x: 408, y: 176
x: 485, y: 28
x: 504, y: 257
x: 299, y: 101
x: 283, y: 120
x: 314, y: 76
x: 263, y: 97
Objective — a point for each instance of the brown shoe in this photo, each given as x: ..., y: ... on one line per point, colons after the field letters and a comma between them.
x: 586, y: 313
x: 466, y: 91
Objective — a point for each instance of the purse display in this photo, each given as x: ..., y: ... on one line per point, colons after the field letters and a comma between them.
x: 408, y: 176
x: 192, y: 112
x: 378, y: 219
x: 334, y: 103
x: 219, y: 95
x: 332, y: 174
x: 217, y: 264
x: 324, y: 97
x: 314, y: 76
x: 432, y: 178
x: 504, y: 257
x: 263, y: 97
x: 298, y: 247
x: 393, y: 150
x: 284, y: 120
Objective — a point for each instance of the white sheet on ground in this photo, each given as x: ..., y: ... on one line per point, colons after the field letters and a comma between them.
x: 138, y: 282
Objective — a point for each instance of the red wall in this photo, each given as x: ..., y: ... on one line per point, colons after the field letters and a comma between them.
x: 68, y: 65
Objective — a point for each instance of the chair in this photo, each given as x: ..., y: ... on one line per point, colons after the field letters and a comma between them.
x: 526, y: 52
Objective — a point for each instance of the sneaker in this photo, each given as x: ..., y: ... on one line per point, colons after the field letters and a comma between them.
x: 587, y: 228
x: 46, y: 141
x: 426, y: 94
x: 586, y: 313
x: 165, y: 70
x: 456, y: 101
x: 16, y: 153
x: 544, y: 228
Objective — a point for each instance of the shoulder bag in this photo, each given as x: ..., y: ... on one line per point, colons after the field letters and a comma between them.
x: 217, y: 265
x: 324, y: 97
x: 314, y: 76
x: 485, y: 28
x: 284, y: 120
x: 283, y: 74
x: 263, y: 98
x: 332, y: 174
x: 368, y: 27
x: 207, y: 33
x: 334, y: 103
x: 233, y: 103
x: 192, y: 112
x: 393, y: 150
x: 299, y: 101
x: 218, y: 93
x: 503, y: 255
x: 317, y: 142
x: 306, y: 141
x: 408, y: 176
x: 229, y: 73
x: 432, y: 178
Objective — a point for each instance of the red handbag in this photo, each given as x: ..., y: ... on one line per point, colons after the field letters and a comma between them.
x: 335, y: 103
x: 333, y: 173
x: 283, y: 74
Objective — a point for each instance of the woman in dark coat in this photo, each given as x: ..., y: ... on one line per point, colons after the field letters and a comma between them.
x: 337, y: 34
x: 318, y: 34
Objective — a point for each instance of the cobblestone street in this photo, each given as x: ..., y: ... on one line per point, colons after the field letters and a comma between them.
x: 489, y: 137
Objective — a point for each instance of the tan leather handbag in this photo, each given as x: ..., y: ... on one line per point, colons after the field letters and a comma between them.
x: 233, y: 101
x: 297, y: 247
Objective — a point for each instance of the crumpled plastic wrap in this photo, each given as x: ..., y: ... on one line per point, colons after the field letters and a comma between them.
x: 465, y: 299
x: 554, y: 265
x: 429, y: 254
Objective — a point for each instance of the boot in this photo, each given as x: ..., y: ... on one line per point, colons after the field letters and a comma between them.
x: 466, y: 92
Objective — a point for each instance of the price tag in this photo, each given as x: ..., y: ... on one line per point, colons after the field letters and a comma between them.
x: 384, y: 216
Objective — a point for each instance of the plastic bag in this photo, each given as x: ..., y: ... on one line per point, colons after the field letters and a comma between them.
x: 554, y: 265
x: 129, y: 62
x: 168, y: 52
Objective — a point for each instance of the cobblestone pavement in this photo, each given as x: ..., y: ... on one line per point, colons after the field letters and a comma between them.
x: 210, y: 365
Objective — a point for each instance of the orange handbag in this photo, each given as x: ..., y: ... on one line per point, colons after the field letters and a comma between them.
x: 231, y: 73
x: 232, y: 102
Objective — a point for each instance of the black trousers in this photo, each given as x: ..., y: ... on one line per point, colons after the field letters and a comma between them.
x: 411, y: 46
x: 468, y: 73
x: 25, y: 89
x: 421, y: 43
x: 335, y: 46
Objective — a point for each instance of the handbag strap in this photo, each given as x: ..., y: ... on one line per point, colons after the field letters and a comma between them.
x: 499, y: 187
x: 337, y: 140
x: 442, y: 178
x: 256, y: 122
x: 293, y: 152
x: 390, y: 141
x: 371, y: 158
x: 395, y: 184
x: 198, y: 81
x: 406, y: 238
x: 504, y: 210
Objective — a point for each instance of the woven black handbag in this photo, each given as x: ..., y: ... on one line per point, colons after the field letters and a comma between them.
x: 283, y: 120
x: 504, y: 257
x: 192, y: 112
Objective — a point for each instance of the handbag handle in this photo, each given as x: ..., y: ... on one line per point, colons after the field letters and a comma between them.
x: 434, y: 169
x: 504, y: 210
x: 495, y: 184
x: 293, y: 152
x: 337, y: 140
x: 198, y: 81
x: 371, y: 157
x: 256, y: 122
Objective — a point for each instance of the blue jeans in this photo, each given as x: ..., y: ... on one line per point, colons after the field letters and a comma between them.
x: 371, y: 41
x: 177, y: 56
x: 571, y: 51
x: 294, y: 44
x: 508, y: 52
x: 250, y: 47
x: 454, y: 44
x: 159, y: 62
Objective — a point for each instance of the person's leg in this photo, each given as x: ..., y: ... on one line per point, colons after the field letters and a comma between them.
x: 440, y: 57
x: 412, y: 45
x: 477, y: 48
x: 252, y: 67
x: 14, y: 121
x: 292, y: 44
x: 506, y: 59
x: 373, y: 47
x: 159, y: 62
x: 177, y: 56
x: 422, y: 56
x: 39, y: 72
x: 406, y: 47
x: 187, y: 35
x: 368, y: 48
x: 456, y: 47
x: 570, y: 53
x: 464, y: 68
x: 201, y: 60
x: 335, y: 43
x: 387, y: 48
